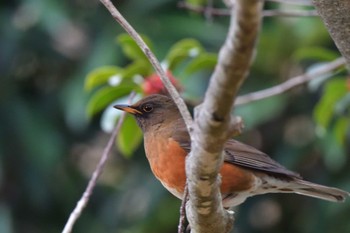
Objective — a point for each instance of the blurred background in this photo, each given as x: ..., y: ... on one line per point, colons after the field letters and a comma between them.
x: 49, y: 144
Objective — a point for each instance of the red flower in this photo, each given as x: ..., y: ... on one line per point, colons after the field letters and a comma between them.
x: 153, y: 85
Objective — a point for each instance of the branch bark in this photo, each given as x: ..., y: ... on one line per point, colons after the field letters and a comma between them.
x: 213, y: 119
x: 336, y: 16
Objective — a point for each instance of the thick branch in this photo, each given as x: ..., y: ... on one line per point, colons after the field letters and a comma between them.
x: 290, y: 83
x: 336, y: 17
x: 212, y: 120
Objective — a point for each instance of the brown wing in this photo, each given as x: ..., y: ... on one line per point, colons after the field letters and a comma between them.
x: 249, y: 157
x: 241, y: 154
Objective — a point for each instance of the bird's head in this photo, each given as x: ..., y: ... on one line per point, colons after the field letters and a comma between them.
x: 152, y: 111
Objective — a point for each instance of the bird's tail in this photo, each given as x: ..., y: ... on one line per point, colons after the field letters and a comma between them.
x: 318, y: 191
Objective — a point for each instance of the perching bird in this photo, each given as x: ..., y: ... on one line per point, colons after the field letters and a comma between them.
x: 245, y: 172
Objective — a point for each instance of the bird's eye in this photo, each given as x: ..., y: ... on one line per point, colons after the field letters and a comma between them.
x: 147, y: 108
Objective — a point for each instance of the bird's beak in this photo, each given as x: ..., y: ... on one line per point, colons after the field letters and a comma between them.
x: 127, y: 108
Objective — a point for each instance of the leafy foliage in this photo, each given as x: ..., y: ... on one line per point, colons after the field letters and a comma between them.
x: 130, y: 137
x: 100, y: 76
x: 182, y: 50
x: 131, y: 49
x: 332, y: 115
x: 334, y: 91
x: 104, y: 96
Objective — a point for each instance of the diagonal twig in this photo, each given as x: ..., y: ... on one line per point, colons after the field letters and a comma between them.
x: 289, y: 84
x: 152, y: 58
x: 81, y: 204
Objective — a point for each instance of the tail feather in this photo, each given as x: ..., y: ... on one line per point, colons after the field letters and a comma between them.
x: 319, y: 191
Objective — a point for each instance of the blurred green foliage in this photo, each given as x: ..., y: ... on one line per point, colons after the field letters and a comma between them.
x: 49, y: 146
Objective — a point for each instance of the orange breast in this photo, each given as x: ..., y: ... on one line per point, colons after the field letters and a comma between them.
x: 167, y: 161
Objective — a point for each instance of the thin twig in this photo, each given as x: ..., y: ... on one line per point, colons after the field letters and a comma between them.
x: 152, y: 58
x: 81, y: 204
x: 289, y: 84
x: 207, y: 12
x: 266, y: 13
x: 182, y: 221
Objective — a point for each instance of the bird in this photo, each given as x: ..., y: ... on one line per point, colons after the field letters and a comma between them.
x: 245, y: 172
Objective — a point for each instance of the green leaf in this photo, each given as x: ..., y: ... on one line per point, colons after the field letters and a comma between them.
x: 130, y: 136
x: 182, y: 50
x: 100, y: 76
x: 203, y: 61
x: 340, y: 128
x: 131, y: 49
x: 315, y: 53
x: 138, y: 67
x: 334, y: 90
x: 106, y: 95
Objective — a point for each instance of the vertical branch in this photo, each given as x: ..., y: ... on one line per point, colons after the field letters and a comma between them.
x: 212, y: 120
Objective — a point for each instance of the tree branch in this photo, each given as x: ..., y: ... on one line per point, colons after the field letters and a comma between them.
x: 212, y: 120
x: 182, y: 221
x: 81, y: 204
x: 152, y: 58
x: 289, y: 84
x: 336, y: 16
